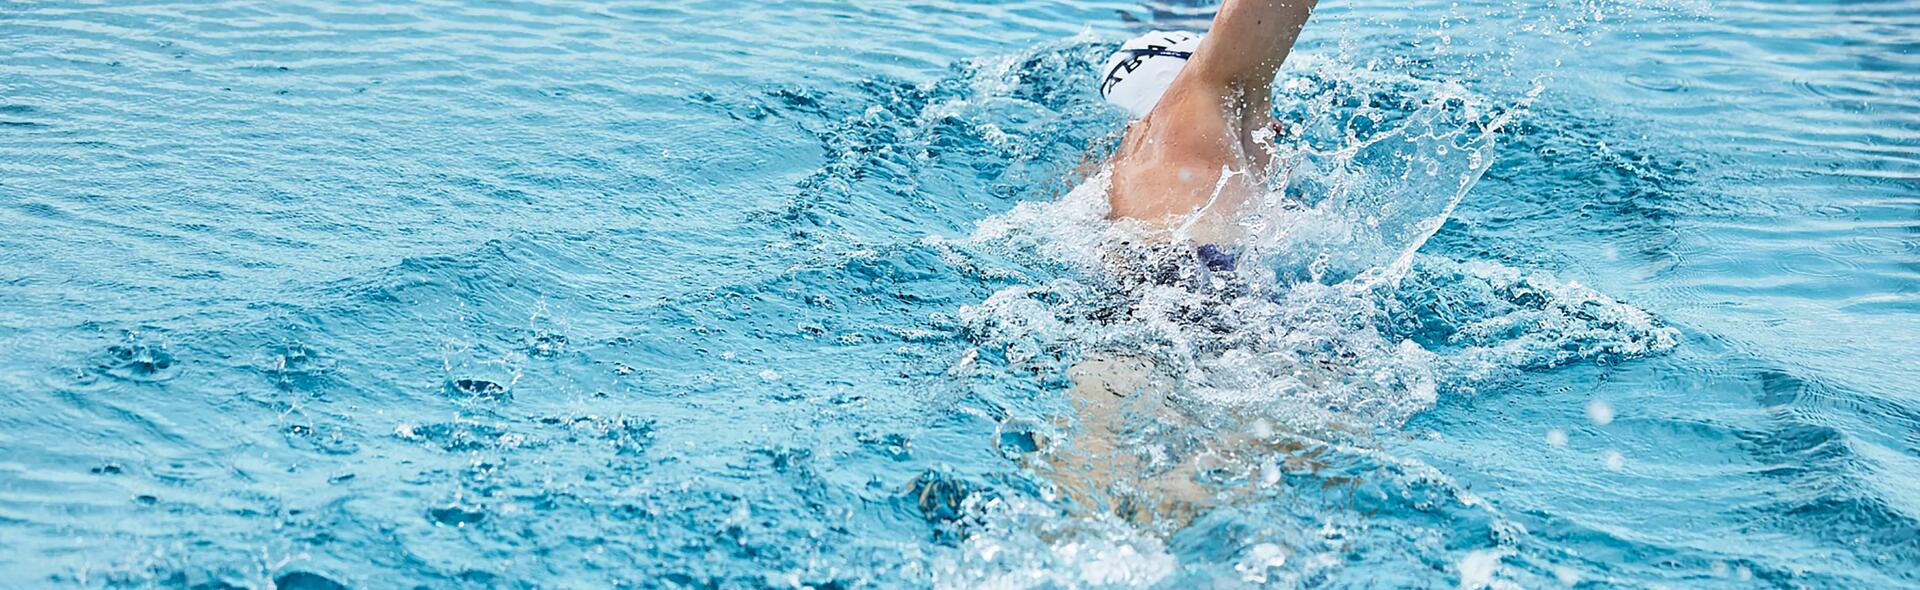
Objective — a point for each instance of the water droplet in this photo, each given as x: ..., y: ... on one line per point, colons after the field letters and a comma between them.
x: 1599, y: 412
x: 456, y: 516
x: 480, y: 388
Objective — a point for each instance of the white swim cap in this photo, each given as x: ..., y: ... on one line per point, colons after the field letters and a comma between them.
x: 1144, y: 68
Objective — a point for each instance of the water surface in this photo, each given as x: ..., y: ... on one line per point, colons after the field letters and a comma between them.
x: 702, y: 294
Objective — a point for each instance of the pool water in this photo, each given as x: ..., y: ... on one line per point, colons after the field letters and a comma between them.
x: 314, y: 294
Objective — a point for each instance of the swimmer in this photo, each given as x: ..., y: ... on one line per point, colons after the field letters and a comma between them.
x: 1196, y: 153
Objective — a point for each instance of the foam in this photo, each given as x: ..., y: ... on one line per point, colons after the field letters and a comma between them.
x: 1332, y: 272
x: 1335, y: 329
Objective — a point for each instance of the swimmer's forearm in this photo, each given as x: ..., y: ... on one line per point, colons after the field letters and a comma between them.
x: 1250, y: 40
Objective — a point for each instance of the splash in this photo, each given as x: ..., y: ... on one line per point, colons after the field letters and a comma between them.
x: 1374, y: 167
x: 1333, y: 330
x: 1334, y: 322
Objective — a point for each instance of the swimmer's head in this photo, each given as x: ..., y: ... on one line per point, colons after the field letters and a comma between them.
x: 1142, y: 70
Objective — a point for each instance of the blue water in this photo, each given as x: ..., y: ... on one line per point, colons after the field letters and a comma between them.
x: 451, y: 293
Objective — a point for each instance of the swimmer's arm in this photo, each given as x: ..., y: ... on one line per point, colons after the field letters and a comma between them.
x: 1249, y: 41
x: 1173, y: 163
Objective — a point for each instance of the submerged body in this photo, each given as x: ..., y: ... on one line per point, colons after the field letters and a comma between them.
x: 1187, y: 170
